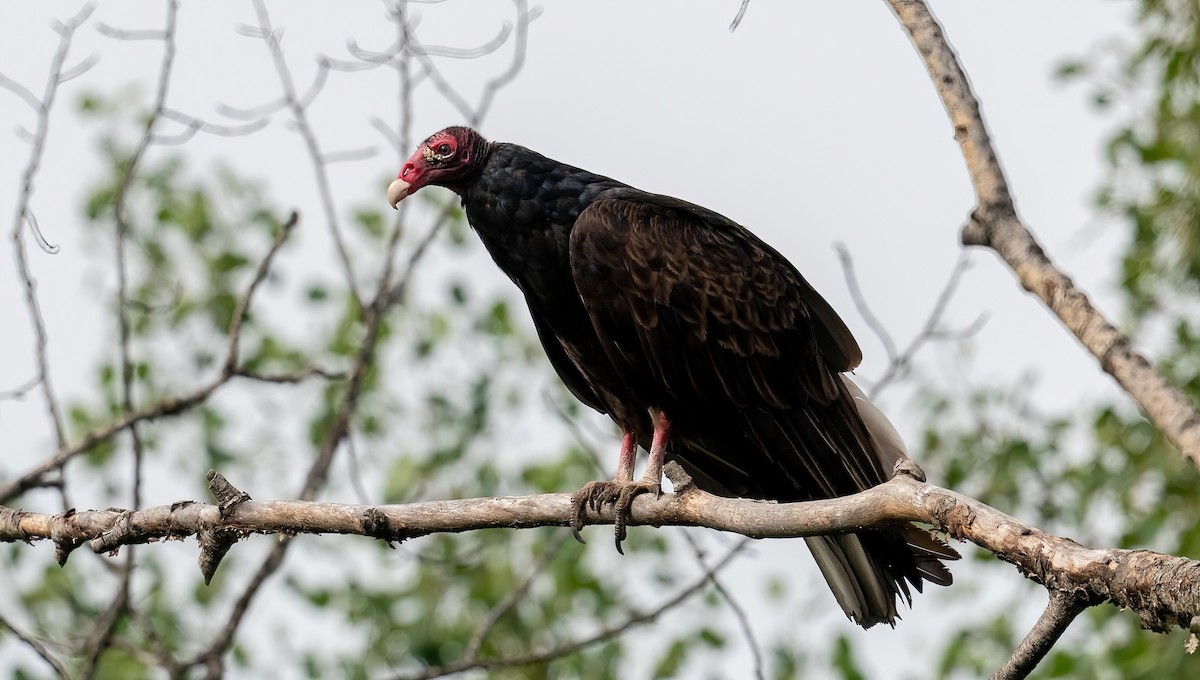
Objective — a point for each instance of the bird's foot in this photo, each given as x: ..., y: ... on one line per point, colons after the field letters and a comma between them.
x: 619, y: 494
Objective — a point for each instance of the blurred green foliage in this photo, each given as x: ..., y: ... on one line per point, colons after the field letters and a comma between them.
x: 1100, y: 473
x: 1155, y: 155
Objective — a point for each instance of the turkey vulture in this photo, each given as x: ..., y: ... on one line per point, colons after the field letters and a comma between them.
x: 701, y: 342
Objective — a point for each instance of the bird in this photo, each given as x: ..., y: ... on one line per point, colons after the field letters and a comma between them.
x: 700, y: 341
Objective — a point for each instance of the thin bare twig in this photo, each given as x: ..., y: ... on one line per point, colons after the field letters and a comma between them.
x: 101, y: 636
x: 23, y: 92
x: 290, y: 378
x: 314, y: 88
x: 372, y: 58
x: 738, y: 612
x: 128, y: 35
x: 608, y: 633
x: 297, y: 107
x: 475, y: 114
x: 511, y: 598
x: 37, y: 647
x: 400, y: 138
x: 525, y: 16
x: 899, y: 362
x: 253, y: 113
x: 243, y: 306
x: 860, y: 302
x: 192, y: 125
x: 78, y: 69
x: 395, y: 292
x: 21, y: 390
x: 349, y: 155
x: 212, y: 656
x: 35, y: 476
x: 388, y: 292
x: 392, y: 138
x: 741, y: 13
x: 1060, y: 611
x: 38, y: 236
x: 121, y: 218
x: 444, y: 87
x: 42, y: 106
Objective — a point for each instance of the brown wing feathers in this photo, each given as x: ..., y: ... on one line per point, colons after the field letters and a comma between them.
x: 716, y: 316
x: 704, y: 320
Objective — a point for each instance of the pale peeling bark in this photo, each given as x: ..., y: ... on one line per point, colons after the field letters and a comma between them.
x: 995, y: 224
x: 1164, y: 591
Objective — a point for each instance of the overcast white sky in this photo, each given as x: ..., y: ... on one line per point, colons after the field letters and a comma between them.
x: 814, y: 122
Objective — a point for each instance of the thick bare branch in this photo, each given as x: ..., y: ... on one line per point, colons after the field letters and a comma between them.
x: 995, y: 224
x: 1164, y: 591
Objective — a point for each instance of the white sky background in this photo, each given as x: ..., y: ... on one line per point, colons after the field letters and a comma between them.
x: 814, y: 122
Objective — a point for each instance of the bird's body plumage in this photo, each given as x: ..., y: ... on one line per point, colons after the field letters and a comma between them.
x: 648, y: 304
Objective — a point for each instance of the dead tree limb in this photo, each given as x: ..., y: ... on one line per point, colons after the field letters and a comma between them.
x: 994, y: 223
x: 1162, y: 590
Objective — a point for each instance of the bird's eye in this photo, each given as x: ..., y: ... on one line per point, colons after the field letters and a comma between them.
x: 444, y: 150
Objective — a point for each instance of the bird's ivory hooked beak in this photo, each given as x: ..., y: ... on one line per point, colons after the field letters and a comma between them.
x: 397, y: 190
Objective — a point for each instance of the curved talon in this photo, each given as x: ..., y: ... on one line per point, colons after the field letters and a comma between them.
x: 622, y: 509
x: 593, y: 495
x: 578, y: 502
x: 620, y: 495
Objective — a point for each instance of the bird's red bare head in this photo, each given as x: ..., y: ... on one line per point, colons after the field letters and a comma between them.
x: 449, y: 158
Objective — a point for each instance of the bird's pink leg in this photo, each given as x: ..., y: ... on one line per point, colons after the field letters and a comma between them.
x: 652, y: 477
x: 621, y: 491
x: 595, y: 495
x: 628, y: 458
